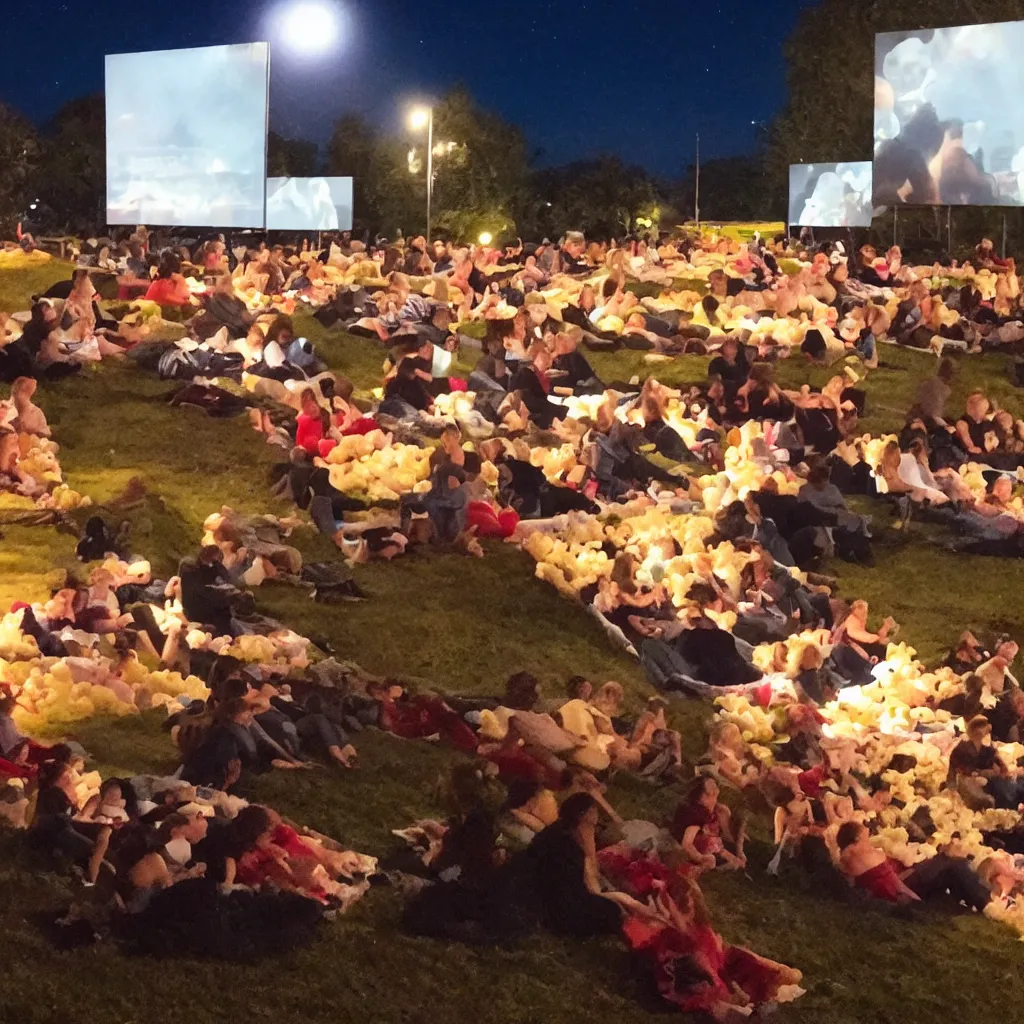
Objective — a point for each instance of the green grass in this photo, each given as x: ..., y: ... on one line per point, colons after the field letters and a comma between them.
x: 464, y: 625
x: 18, y: 286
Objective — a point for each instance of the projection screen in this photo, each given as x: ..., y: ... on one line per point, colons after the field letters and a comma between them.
x: 830, y: 195
x: 949, y: 122
x: 187, y: 136
x: 309, y: 204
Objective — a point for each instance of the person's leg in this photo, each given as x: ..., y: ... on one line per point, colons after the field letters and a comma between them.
x: 868, y: 349
x: 99, y: 851
x: 1007, y: 792
x: 942, y: 874
x: 318, y: 729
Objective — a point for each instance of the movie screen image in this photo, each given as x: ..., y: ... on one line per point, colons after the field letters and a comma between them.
x: 309, y: 204
x: 949, y: 120
x: 187, y: 136
x: 830, y: 195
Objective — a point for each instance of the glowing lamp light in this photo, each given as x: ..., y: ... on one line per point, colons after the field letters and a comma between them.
x: 486, y: 238
x: 308, y: 27
x: 419, y: 118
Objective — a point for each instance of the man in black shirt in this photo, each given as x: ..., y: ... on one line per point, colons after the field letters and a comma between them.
x: 206, y: 590
x: 730, y: 366
x: 973, y: 757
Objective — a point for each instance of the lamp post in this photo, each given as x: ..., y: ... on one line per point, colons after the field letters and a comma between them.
x: 419, y: 118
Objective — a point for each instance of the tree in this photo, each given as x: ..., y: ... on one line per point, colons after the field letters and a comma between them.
x: 73, y: 164
x: 731, y: 188
x: 603, y: 197
x: 480, y: 172
x: 480, y: 168
x: 19, y: 152
x: 287, y: 158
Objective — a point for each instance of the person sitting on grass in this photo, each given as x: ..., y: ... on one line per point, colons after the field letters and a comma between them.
x: 702, y: 826
x: 169, y: 287
x: 979, y: 774
x: 29, y: 418
x: 232, y: 751
x: 58, y: 824
x: 560, y: 876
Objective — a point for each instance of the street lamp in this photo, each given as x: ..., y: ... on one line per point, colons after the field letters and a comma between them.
x: 420, y: 118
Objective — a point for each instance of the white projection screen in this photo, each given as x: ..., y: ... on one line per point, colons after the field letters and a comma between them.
x: 187, y: 136
x: 309, y: 204
x: 830, y: 195
x: 949, y: 116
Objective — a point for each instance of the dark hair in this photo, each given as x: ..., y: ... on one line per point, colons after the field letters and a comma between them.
x: 39, y: 308
x: 610, y: 287
x: 250, y: 823
x: 695, y: 790
x: 571, y: 813
x: 498, y: 330
x: 521, y: 691
x: 520, y: 792
x: 278, y: 327
x: 210, y: 554
x: 820, y: 473
x: 814, y: 343
x: 227, y: 710
x: 61, y: 753
x: 702, y: 593
x: 848, y: 834
x: 7, y: 704
x: 575, y: 684
x: 168, y: 825
x: 342, y: 387
x: 170, y: 263
x: 50, y: 772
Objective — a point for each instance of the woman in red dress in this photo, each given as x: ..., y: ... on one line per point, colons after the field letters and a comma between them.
x: 695, y: 969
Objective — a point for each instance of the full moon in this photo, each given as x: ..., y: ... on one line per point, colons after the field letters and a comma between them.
x: 309, y: 26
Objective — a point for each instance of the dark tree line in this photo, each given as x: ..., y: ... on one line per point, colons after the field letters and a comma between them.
x: 486, y: 178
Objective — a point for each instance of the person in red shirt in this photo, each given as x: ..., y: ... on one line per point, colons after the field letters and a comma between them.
x: 309, y: 426
x: 169, y: 288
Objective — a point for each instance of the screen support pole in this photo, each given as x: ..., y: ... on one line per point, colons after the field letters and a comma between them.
x: 949, y: 231
x: 1004, y: 236
x: 895, y: 224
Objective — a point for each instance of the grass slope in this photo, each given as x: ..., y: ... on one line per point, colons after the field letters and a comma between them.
x: 463, y: 624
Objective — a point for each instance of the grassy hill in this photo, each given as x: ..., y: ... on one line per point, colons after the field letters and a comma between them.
x: 465, y: 625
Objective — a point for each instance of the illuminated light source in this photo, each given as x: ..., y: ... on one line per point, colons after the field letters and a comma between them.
x: 419, y: 117
x: 486, y: 238
x: 309, y: 26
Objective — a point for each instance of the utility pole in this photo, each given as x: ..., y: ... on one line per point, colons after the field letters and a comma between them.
x: 430, y: 168
x: 696, y: 188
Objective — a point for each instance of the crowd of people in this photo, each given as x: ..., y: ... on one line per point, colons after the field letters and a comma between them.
x: 693, y: 522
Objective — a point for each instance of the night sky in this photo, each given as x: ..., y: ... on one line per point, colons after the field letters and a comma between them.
x: 581, y: 77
